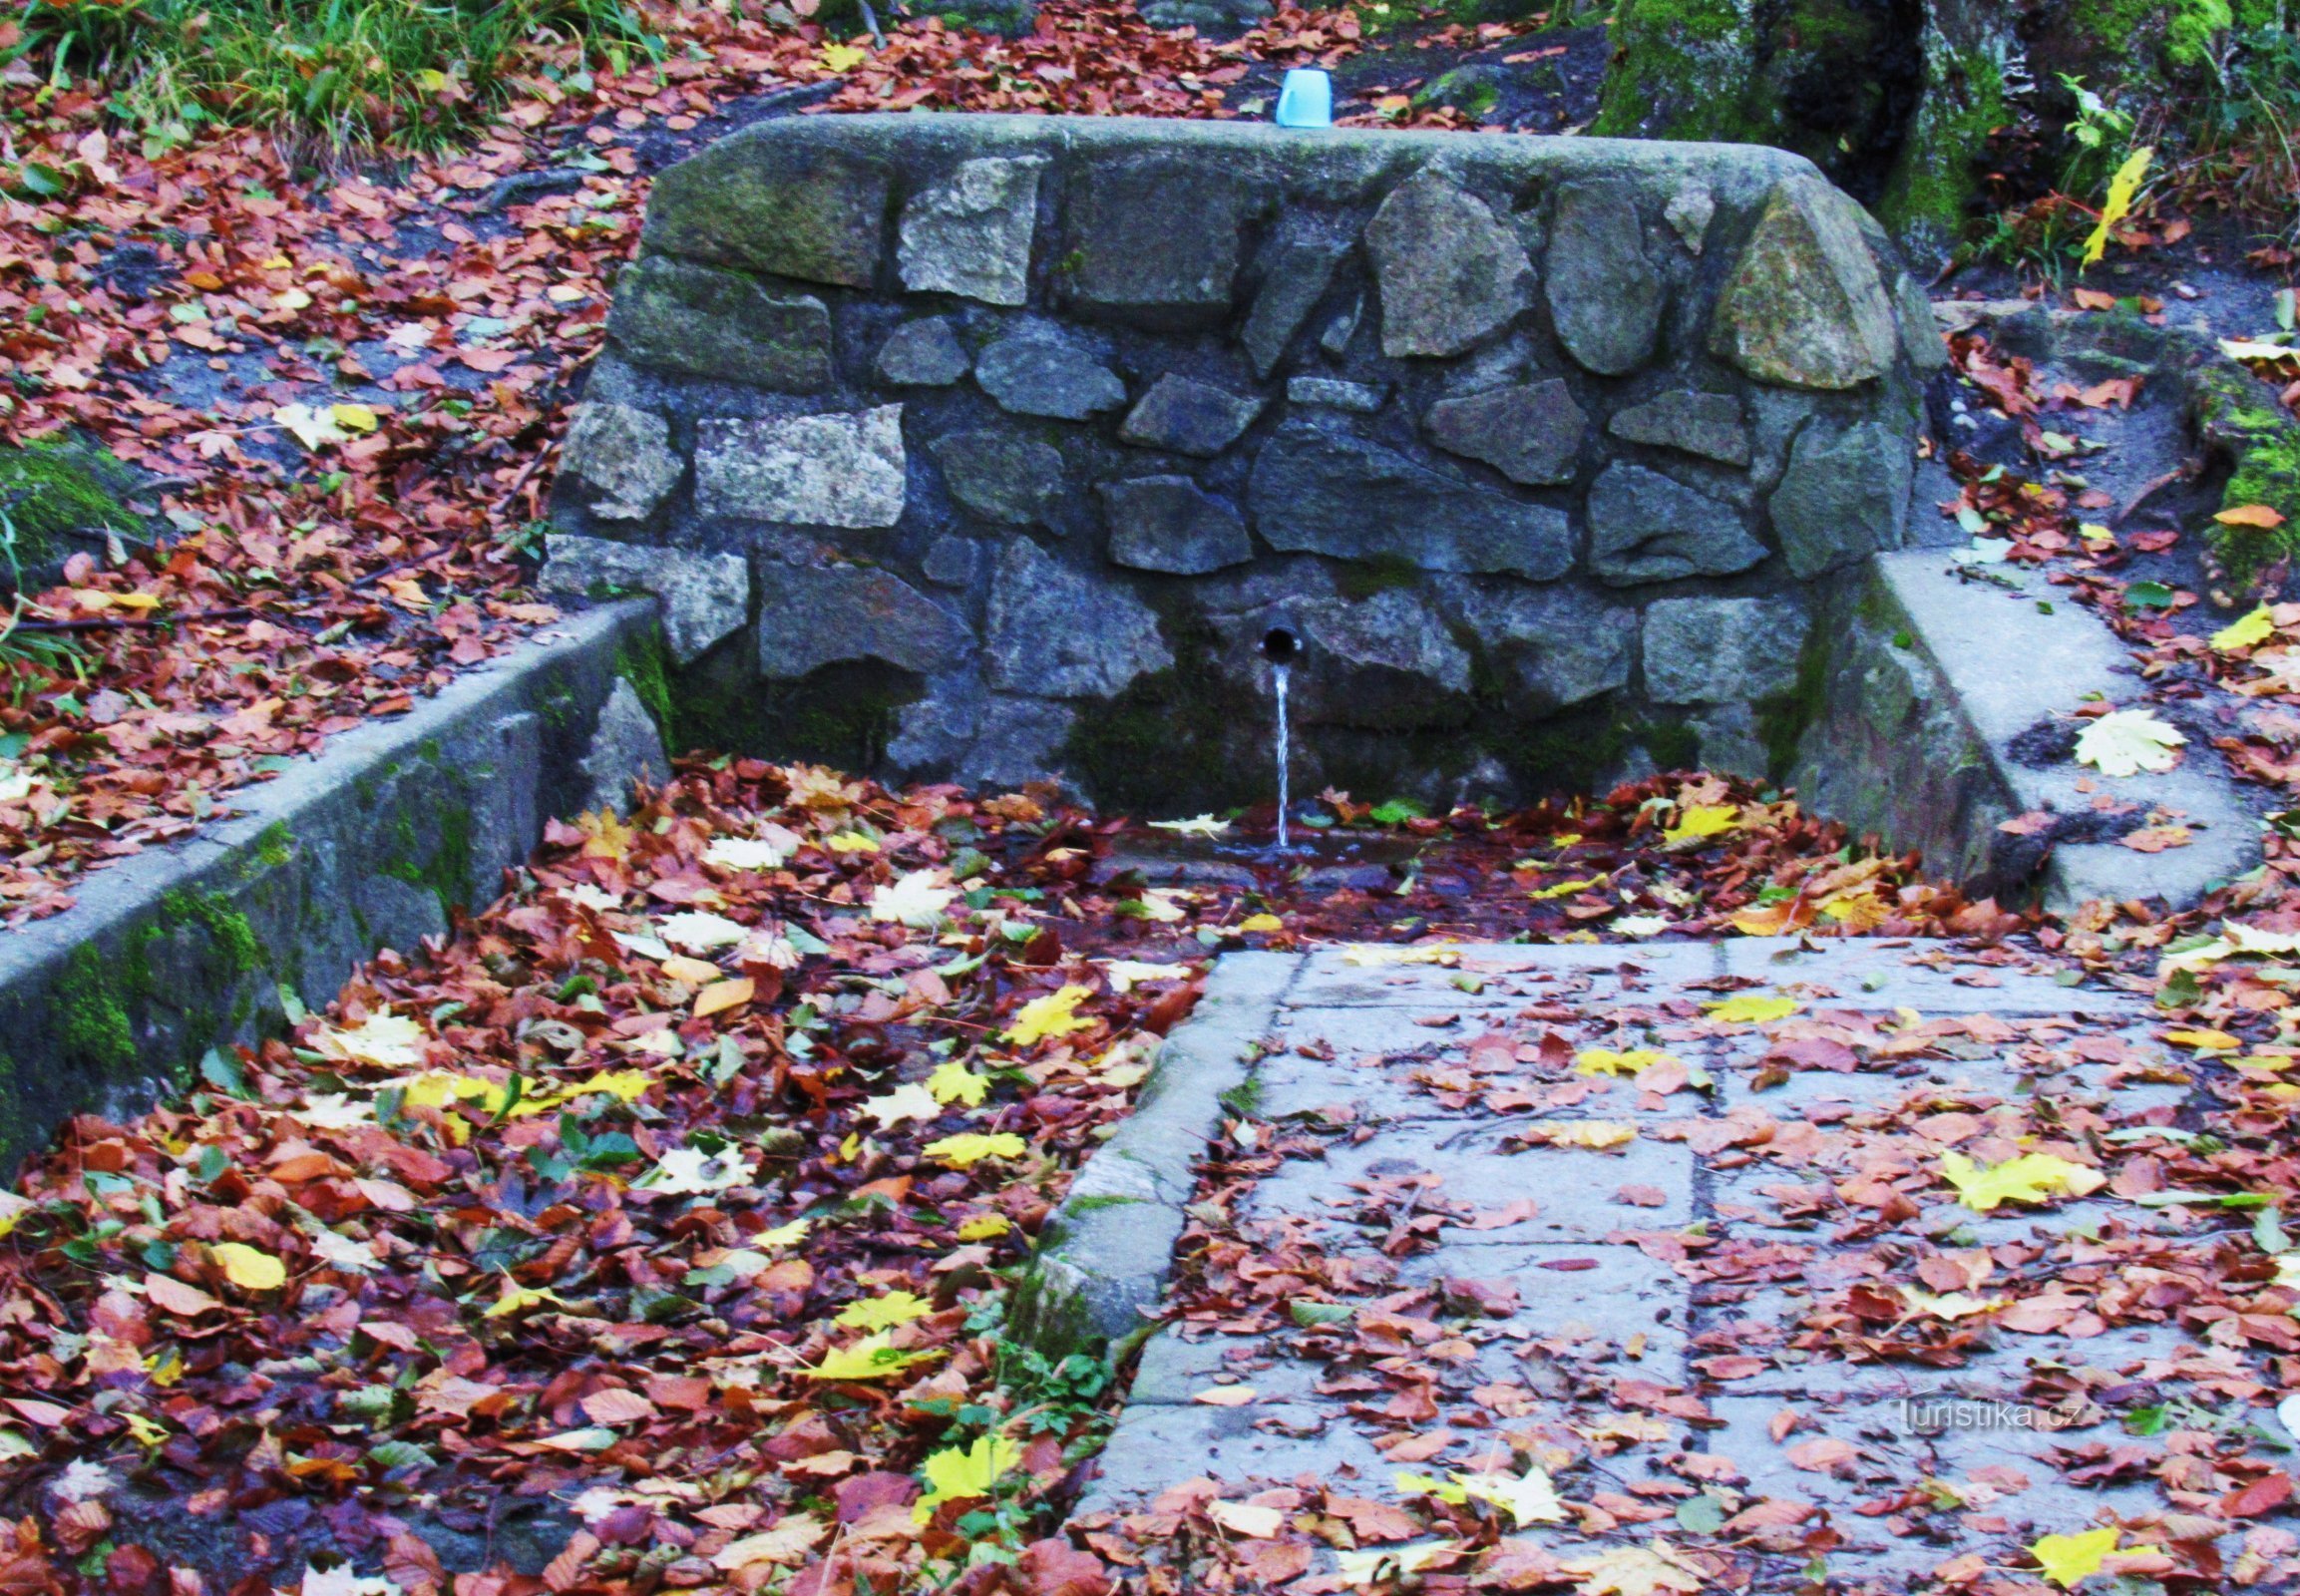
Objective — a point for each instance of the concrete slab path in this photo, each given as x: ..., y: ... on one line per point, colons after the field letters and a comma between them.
x: 1671, y: 1222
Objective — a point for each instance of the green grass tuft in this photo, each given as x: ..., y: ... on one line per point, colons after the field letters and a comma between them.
x: 329, y: 75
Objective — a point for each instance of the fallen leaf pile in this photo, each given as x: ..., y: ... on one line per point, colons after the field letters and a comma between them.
x: 680, y: 1191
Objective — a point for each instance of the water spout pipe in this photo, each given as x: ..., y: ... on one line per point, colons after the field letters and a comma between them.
x: 1281, y: 645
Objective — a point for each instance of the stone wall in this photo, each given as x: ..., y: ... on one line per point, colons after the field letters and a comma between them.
x: 395, y: 826
x: 991, y: 447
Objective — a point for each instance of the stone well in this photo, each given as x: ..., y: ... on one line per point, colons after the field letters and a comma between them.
x: 992, y: 447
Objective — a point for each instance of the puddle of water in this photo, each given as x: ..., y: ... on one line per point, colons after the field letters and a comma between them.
x: 1244, y: 857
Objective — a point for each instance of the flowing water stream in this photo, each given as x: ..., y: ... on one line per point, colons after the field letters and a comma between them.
x: 1279, y: 675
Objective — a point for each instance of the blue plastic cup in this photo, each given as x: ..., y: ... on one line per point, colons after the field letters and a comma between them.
x: 1305, y: 99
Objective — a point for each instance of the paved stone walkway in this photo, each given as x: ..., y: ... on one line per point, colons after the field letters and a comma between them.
x: 1705, y: 1328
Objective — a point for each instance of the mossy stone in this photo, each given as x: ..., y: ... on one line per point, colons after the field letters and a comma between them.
x: 53, y: 492
x: 796, y: 210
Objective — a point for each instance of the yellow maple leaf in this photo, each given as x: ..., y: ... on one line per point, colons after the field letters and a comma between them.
x: 247, y: 1268
x: 1262, y: 923
x: 984, y: 1226
x: 1856, y: 911
x: 2070, y: 1559
x: 2204, y: 1041
x: 2244, y: 632
x: 1952, y: 1305
x: 883, y: 1313
x: 957, y: 1473
x: 626, y: 1085
x: 517, y: 1298
x: 384, y: 1039
x: 1564, y: 889
x: 1696, y: 821
x: 789, y: 1235
x: 2030, y: 1178
x: 355, y: 418
x: 1054, y: 1015
x: 1606, y: 1061
x: 971, y: 1147
x: 1752, y: 1009
x: 2122, y: 189
x: 1599, y: 1134
x: 1651, y: 1570
x: 605, y: 834
x: 842, y: 57
x: 2125, y: 743
x: 953, y: 1082
x: 872, y: 1357
x: 851, y: 842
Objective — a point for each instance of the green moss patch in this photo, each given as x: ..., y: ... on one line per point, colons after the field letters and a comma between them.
x: 2238, y: 418
x: 56, y: 493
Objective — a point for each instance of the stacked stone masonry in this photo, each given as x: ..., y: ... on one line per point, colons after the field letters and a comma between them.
x: 989, y: 448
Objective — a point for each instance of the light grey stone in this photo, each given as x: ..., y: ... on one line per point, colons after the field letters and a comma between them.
x: 1154, y: 241
x: 969, y: 234
x: 1845, y: 495
x: 1452, y: 274
x: 922, y: 354
x: 625, y: 747
x: 1627, y: 1300
x: 1011, y: 481
x: 815, y: 615
x: 1335, y: 340
x: 1805, y: 306
x: 835, y: 469
x: 1529, y: 432
x: 1605, y: 297
x: 1042, y: 374
x: 1646, y: 528
x: 1722, y: 651
x: 1297, y: 268
x: 1690, y: 211
x: 1921, y: 337
x: 1171, y: 524
x: 1577, y: 1187
x: 950, y: 561
x: 1056, y: 632
x: 1562, y: 644
x: 1156, y: 1445
x: 1361, y: 398
x: 1704, y: 424
x: 616, y: 462
x: 699, y: 321
x: 704, y: 596
x: 1316, y: 491
x: 1189, y: 417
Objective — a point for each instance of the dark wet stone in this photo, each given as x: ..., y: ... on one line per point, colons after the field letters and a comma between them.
x: 922, y: 354
x: 1704, y: 424
x: 1529, y: 432
x: 1189, y: 417
x: 1045, y: 374
x: 1605, y: 297
x: 1646, y: 528
x: 1323, y: 492
x: 1001, y: 478
x: 1171, y: 524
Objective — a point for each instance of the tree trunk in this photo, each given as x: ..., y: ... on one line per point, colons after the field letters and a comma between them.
x: 1895, y: 99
